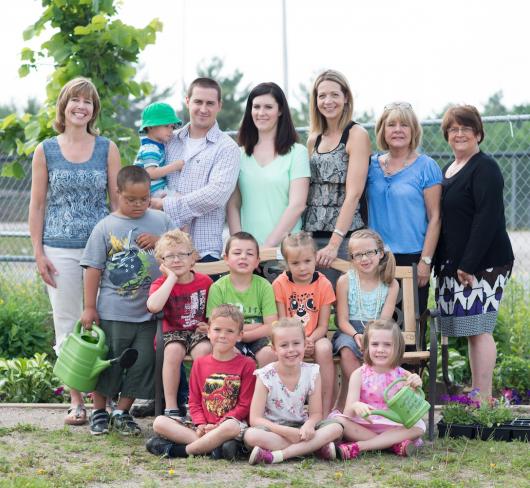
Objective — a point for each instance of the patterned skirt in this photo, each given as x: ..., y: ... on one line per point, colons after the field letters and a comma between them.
x: 470, y: 310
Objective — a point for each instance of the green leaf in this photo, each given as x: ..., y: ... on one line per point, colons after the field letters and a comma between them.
x: 32, y: 130
x: 82, y: 30
x: 13, y: 169
x: 28, y: 33
x: 27, y: 54
x: 8, y: 120
x: 23, y: 70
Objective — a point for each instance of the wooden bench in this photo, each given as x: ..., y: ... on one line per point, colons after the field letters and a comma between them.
x: 407, y: 316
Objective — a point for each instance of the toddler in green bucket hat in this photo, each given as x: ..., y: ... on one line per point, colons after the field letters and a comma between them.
x: 158, y: 123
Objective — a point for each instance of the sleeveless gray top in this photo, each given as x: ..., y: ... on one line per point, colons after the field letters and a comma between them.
x: 327, y: 189
x: 77, y: 195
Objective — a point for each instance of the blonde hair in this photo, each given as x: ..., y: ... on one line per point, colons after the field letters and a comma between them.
x: 230, y: 312
x: 403, y: 113
x: 397, y: 339
x: 74, y: 88
x: 300, y: 239
x: 174, y: 237
x: 387, y: 264
x: 287, y: 323
x: 317, y: 122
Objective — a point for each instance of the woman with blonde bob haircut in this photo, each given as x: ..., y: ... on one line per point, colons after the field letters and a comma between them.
x: 339, y: 152
x: 404, y: 189
x: 72, y: 175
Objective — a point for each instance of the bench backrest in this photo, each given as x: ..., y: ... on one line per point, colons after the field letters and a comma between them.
x: 407, y: 315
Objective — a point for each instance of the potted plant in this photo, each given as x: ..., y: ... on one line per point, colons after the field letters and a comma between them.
x: 465, y: 415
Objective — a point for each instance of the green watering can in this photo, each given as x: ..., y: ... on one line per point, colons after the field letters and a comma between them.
x: 406, y: 407
x: 81, y: 358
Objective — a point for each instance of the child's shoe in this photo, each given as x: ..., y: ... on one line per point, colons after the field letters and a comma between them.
x: 327, y: 452
x: 99, y: 422
x: 175, y: 414
x: 160, y: 447
x: 124, y: 424
x: 347, y: 450
x: 406, y: 448
x: 232, y: 450
x: 259, y: 455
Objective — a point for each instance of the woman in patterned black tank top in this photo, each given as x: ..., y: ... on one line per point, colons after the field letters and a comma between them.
x: 339, y: 152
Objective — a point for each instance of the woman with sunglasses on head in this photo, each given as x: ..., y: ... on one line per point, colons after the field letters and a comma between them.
x: 474, y: 257
x: 339, y: 152
x: 404, y: 189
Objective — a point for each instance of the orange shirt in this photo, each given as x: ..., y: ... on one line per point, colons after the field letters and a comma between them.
x: 304, y: 301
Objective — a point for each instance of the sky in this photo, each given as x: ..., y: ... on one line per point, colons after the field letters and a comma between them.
x: 427, y: 52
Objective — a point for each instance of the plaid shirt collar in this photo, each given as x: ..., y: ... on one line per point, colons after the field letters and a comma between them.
x: 212, y: 135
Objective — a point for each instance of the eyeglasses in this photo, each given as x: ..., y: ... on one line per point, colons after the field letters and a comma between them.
x: 358, y: 256
x: 460, y: 130
x: 171, y: 258
x: 394, y: 105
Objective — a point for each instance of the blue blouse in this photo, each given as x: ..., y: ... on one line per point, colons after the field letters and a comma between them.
x: 396, y: 205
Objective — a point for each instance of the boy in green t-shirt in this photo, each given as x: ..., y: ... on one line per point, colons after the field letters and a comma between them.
x: 252, y: 294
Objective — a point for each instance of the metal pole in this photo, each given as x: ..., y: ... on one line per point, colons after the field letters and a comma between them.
x: 284, y: 47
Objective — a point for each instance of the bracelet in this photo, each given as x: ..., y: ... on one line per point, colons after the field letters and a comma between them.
x: 339, y: 232
x: 356, y: 334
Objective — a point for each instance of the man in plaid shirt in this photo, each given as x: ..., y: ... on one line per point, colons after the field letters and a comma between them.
x: 209, y: 175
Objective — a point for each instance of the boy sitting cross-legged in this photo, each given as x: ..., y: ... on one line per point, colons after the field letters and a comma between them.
x: 252, y: 294
x: 221, y: 388
x: 181, y: 293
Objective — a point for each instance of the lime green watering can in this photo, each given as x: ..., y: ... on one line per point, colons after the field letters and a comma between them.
x: 406, y: 407
x: 82, y: 358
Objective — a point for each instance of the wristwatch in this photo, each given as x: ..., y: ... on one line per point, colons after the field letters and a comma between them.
x: 426, y: 259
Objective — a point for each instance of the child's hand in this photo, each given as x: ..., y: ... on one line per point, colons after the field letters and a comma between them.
x: 157, y: 203
x: 414, y: 381
x: 307, y: 432
x: 168, y: 272
x: 89, y: 316
x: 209, y: 427
x: 293, y: 435
x: 147, y: 241
x: 200, y: 430
x: 202, y: 327
x: 362, y: 409
x: 309, y: 347
x: 359, y: 341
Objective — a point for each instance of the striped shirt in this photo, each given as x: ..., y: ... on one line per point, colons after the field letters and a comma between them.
x: 151, y: 155
x: 204, y: 184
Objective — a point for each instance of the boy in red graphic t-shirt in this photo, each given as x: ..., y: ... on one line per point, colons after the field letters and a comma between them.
x: 221, y: 388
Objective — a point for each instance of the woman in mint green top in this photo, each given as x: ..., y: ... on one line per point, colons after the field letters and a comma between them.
x: 274, y: 178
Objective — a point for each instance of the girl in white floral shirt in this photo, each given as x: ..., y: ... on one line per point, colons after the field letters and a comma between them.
x: 281, y: 427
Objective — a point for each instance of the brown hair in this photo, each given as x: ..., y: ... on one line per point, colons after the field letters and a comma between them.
x: 466, y: 115
x: 242, y: 236
x: 287, y: 323
x: 74, y: 88
x: 174, y: 237
x: 387, y: 264
x: 205, y: 83
x: 317, y: 122
x: 131, y: 175
x: 230, y: 312
x: 403, y: 113
x: 397, y: 339
x: 300, y: 239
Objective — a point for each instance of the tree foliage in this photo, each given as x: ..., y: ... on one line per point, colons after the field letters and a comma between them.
x: 87, y: 40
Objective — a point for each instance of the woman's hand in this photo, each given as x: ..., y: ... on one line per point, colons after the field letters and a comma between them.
x: 327, y: 255
x: 465, y: 279
x: 424, y: 273
x: 46, y: 270
x: 414, y: 381
x: 307, y: 432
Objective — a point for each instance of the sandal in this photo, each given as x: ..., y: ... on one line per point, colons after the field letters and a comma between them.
x: 76, y: 416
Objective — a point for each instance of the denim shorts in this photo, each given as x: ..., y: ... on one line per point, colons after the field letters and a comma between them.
x: 340, y: 340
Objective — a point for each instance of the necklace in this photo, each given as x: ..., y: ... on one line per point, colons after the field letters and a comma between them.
x: 378, y: 300
x: 386, y: 164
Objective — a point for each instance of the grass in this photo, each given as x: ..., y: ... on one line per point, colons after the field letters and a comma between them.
x: 35, y: 457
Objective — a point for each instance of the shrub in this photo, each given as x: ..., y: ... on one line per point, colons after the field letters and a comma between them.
x: 513, y: 373
x: 25, y: 321
x: 29, y: 381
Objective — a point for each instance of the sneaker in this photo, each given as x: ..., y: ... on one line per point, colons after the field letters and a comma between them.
x: 232, y: 450
x: 405, y: 448
x: 99, y: 422
x: 124, y: 424
x: 159, y: 446
x: 217, y: 454
x: 259, y: 455
x: 327, y: 452
x: 347, y: 450
x: 143, y: 408
x: 175, y: 414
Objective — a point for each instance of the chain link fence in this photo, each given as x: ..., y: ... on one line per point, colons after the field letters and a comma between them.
x: 507, y: 140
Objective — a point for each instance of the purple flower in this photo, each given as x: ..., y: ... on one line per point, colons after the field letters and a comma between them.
x: 58, y: 391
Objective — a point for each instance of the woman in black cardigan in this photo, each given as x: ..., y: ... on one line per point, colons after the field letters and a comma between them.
x: 474, y: 257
